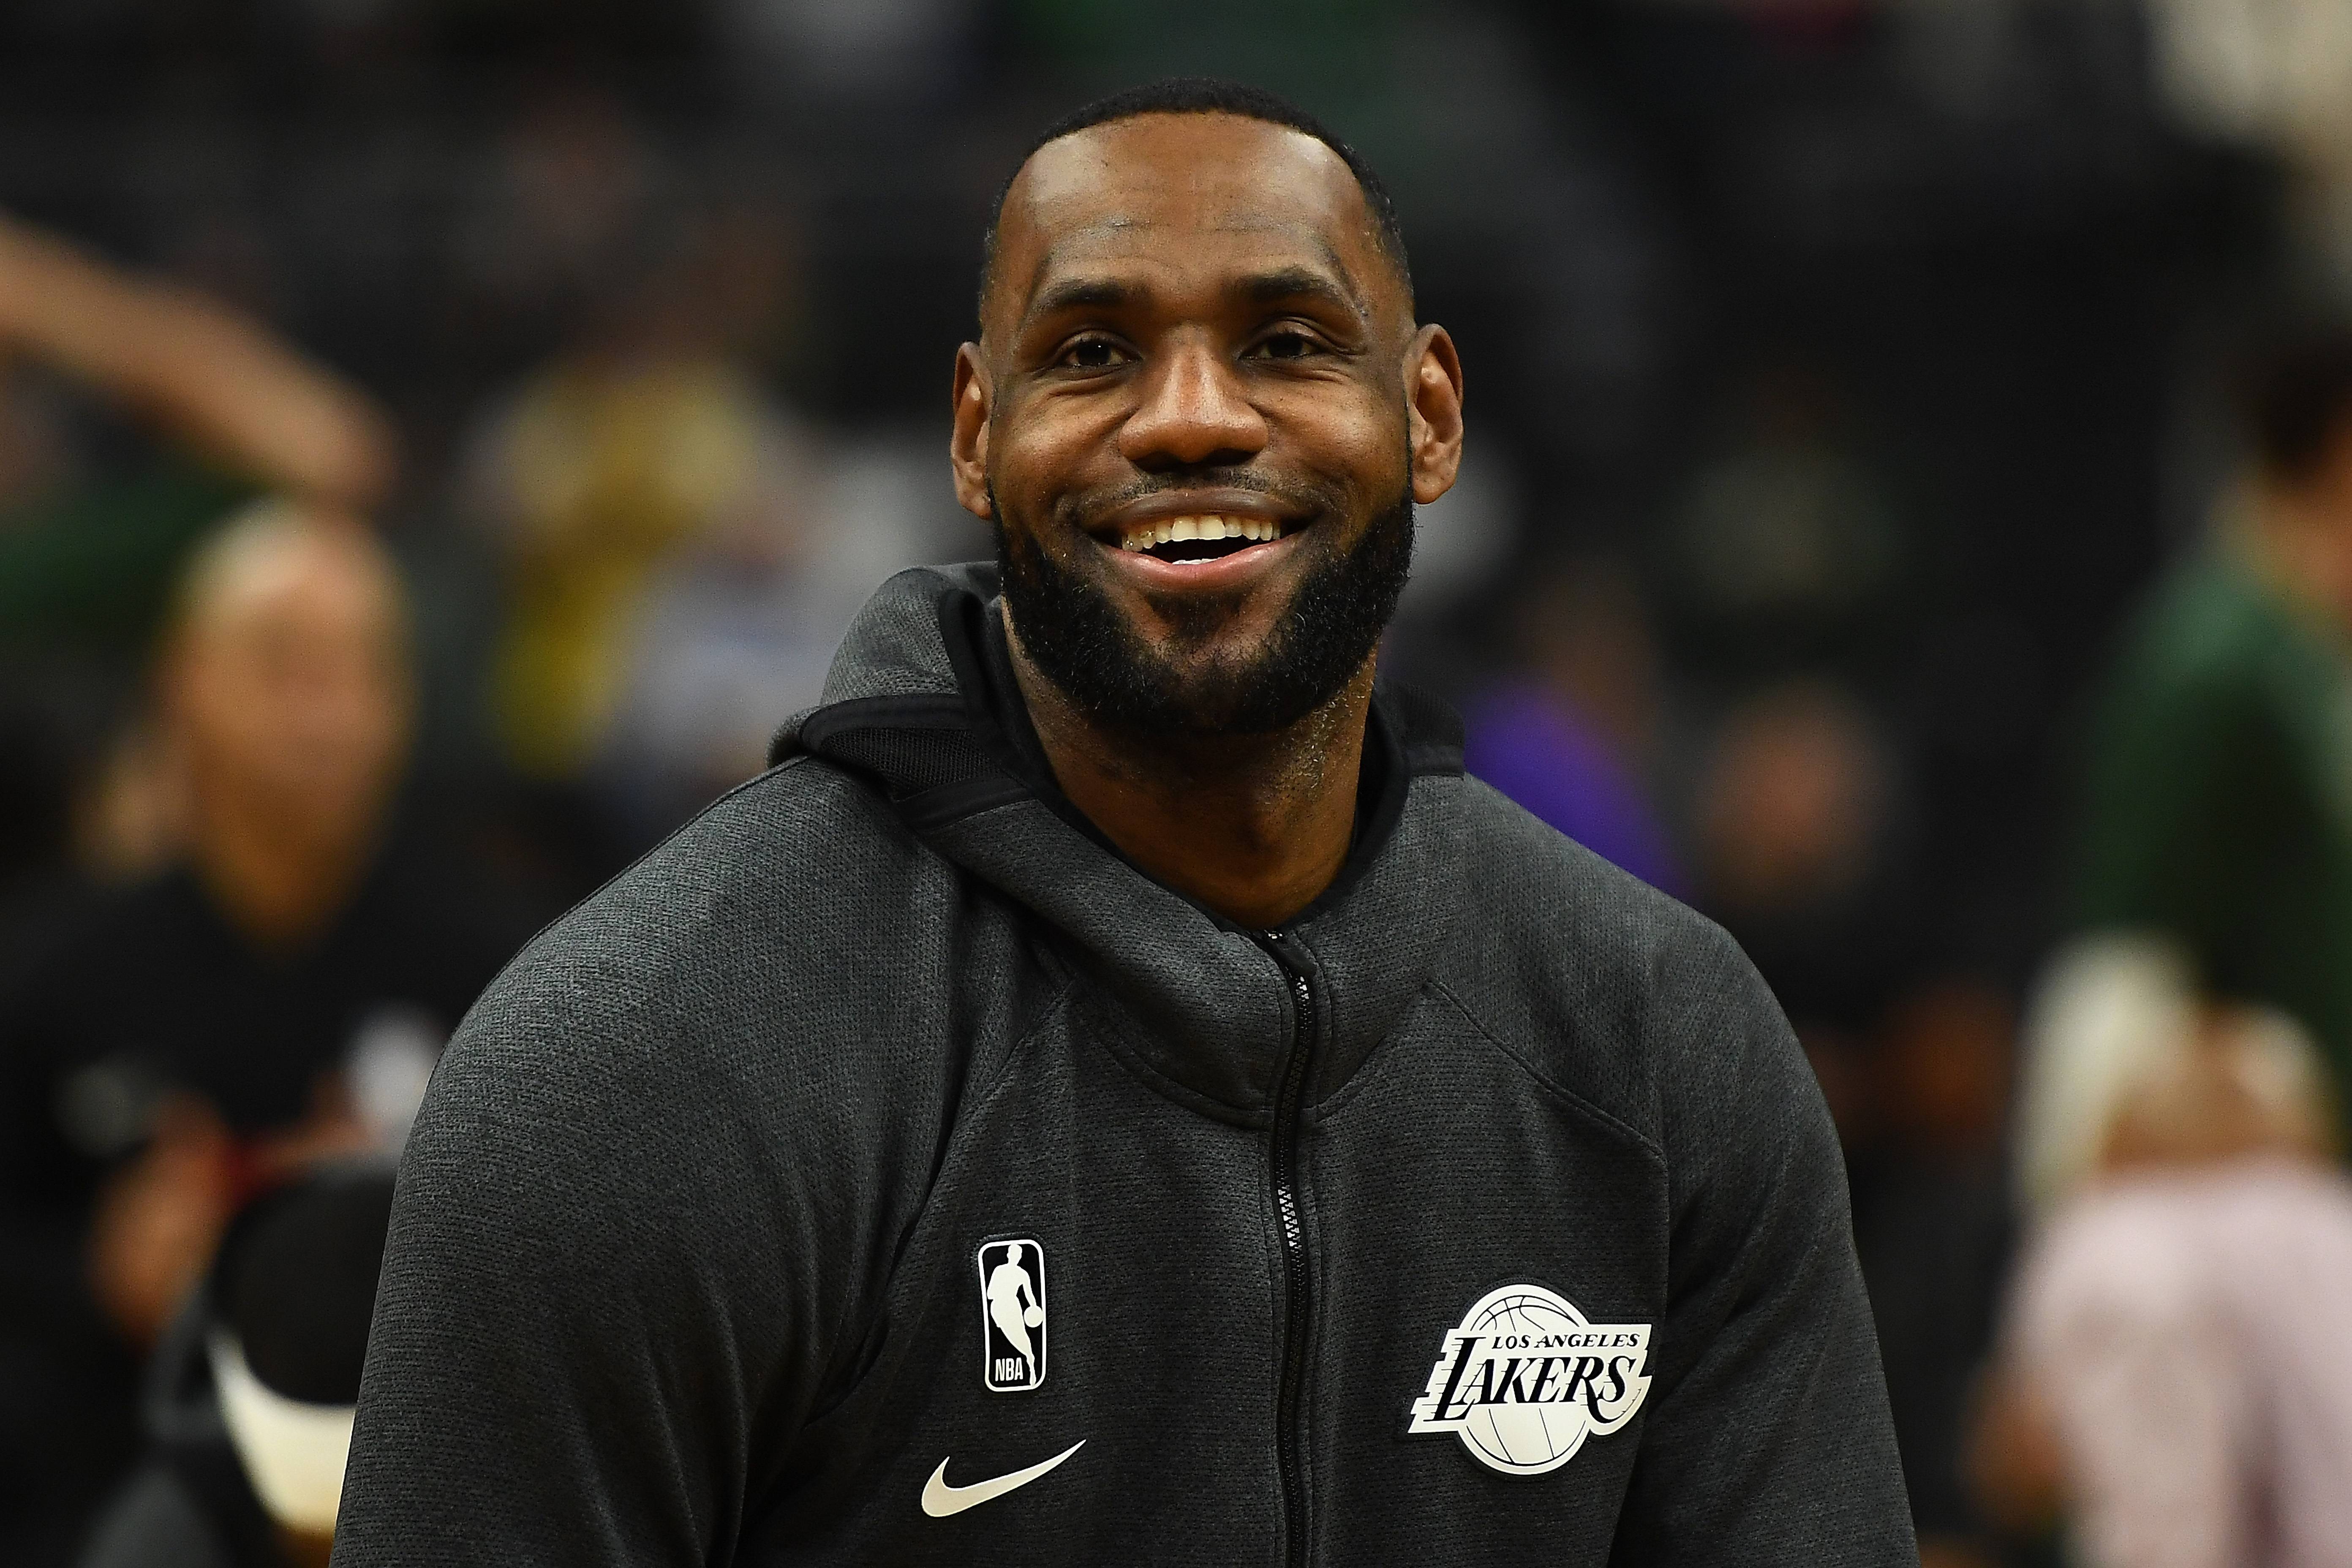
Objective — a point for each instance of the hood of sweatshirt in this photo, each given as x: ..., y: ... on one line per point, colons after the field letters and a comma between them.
x: 920, y: 701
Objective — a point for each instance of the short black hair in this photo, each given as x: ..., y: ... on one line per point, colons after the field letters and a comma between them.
x: 2297, y: 395
x: 1207, y: 95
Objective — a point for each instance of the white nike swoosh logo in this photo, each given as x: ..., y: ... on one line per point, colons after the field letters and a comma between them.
x: 941, y: 1499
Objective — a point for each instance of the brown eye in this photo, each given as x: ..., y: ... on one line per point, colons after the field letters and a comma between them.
x: 1091, y: 354
x: 1285, y: 345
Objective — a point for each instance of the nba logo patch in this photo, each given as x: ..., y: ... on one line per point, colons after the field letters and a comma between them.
x: 1523, y: 1380
x: 1012, y: 1316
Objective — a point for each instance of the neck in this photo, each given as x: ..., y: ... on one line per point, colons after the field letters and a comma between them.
x: 2306, y: 550
x: 280, y: 887
x: 1253, y: 826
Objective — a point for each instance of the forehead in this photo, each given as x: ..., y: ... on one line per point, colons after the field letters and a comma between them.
x: 1179, y: 190
x: 297, y: 584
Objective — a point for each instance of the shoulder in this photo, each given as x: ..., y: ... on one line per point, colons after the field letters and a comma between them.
x: 2208, y: 641
x: 734, y: 912
x: 1616, y: 992
x: 771, y: 983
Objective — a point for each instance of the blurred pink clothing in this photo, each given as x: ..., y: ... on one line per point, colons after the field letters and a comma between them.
x: 2191, y: 1333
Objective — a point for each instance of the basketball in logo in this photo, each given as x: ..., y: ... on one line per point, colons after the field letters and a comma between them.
x: 1524, y: 1380
x: 1012, y: 1315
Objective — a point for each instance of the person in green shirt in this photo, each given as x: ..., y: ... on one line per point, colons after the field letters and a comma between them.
x: 2219, y: 816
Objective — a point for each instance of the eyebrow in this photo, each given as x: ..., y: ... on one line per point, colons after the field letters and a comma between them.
x: 1259, y: 288
x: 1298, y: 283
x: 1083, y: 294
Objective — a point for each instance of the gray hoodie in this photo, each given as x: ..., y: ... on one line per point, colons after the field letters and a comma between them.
x: 883, y: 1170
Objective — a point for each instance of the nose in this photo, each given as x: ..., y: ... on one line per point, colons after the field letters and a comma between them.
x: 1193, y: 413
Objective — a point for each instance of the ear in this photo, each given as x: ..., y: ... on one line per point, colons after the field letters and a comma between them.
x: 1432, y: 413
x: 968, y: 445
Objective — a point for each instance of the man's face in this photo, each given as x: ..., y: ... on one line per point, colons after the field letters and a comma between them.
x: 1195, y: 418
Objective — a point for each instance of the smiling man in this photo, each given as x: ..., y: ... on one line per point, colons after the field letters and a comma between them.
x: 1380, y: 1177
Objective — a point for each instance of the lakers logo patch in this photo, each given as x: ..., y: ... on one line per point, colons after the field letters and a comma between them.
x: 1524, y: 1380
x: 1012, y: 1315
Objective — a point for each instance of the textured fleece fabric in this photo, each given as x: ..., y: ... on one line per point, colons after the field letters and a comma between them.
x: 684, y: 1263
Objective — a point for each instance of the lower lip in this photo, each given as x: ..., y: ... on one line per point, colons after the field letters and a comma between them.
x: 1218, y: 572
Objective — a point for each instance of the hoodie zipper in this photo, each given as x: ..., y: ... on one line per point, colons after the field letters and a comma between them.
x: 1285, y: 1167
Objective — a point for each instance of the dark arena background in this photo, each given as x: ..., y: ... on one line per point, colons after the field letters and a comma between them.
x: 1844, y: 376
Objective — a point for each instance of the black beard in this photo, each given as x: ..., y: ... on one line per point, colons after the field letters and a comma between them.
x: 1069, y: 628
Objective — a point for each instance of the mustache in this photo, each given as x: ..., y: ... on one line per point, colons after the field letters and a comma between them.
x: 1305, y: 496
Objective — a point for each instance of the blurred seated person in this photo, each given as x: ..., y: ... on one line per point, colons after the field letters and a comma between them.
x: 2219, y: 814
x: 251, y: 1393
x: 646, y: 437
x: 224, y: 410
x: 1568, y: 736
x: 278, y: 996
x: 2175, y: 1375
x: 88, y: 554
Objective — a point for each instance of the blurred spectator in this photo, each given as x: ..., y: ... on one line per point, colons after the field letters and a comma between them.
x: 1572, y: 736
x: 594, y: 477
x: 2105, y: 1009
x: 2218, y: 816
x: 250, y: 1397
x: 2174, y: 1371
x: 276, y: 996
x: 87, y: 556
x: 733, y: 636
x: 740, y: 628
x: 1795, y: 830
x: 646, y: 441
x: 1932, y: 1224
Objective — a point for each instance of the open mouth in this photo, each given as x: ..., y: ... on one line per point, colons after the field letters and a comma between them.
x: 1210, y: 537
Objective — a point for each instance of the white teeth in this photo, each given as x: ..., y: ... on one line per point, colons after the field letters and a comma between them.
x: 1184, y: 529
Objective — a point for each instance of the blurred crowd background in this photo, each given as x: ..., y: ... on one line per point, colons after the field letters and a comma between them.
x: 440, y: 440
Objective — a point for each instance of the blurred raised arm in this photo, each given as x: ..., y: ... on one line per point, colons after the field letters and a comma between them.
x: 209, y: 375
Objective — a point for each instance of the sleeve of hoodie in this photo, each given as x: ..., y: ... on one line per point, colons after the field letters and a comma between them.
x: 582, y: 1255
x: 1766, y: 1438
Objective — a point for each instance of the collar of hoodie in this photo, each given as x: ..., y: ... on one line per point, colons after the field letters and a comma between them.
x: 920, y: 701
